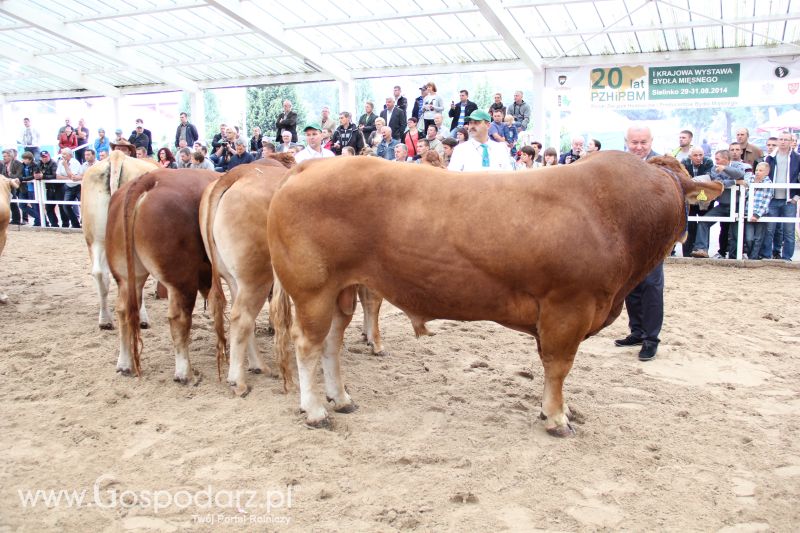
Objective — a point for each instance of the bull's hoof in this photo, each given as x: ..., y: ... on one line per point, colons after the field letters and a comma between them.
x: 325, y: 423
x: 183, y: 380
x: 107, y: 326
x: 3, y: 299
x: 351, y: 407
x: 364, y: 338
x: 144, y: 325
x: 381, y: 353
x: 254, y: 370
x: 562, y: 431
x: 270, y: 331
x: 240, y: 390
x: 124, y: 372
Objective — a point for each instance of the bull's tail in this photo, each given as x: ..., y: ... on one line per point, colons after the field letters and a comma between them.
x: 280, y: 311
x: 134, y: 337
x: 216, y: 296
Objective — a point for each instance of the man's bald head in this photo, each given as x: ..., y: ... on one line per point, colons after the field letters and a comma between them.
x: 638, y: 139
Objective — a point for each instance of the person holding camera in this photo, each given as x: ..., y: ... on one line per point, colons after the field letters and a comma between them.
x: 222, y: 156
x: 574, y: 154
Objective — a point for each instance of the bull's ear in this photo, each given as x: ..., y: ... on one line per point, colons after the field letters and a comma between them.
x: 701, y: 191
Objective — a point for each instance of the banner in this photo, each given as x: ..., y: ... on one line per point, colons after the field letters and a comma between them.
x: 749, y: 82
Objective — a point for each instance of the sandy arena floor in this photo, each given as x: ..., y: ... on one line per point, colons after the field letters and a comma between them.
x: 704, y: 438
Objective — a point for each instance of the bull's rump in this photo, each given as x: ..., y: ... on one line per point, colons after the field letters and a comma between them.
x: 166, y: 232
x: 464, y: 246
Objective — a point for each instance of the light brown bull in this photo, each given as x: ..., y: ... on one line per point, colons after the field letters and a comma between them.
x: 97, y: 186
x: 551, y: 252
x: 5, y: 215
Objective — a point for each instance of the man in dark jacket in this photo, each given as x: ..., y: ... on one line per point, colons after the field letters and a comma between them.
x: 460, y: 111
x: 139, y: 138
x: 347, y: 134
x: 185, y: 131
x: 418, y: 103
x: 401, y: 100
x: 140, y: 122
x: 697, y: 164
x: 46, y: 170
x: 12, y: 169
x: 395, y: 118
x: 286, y: 121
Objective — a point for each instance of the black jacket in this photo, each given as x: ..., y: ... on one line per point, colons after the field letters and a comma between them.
x: 149, y: 140
x: 702, y: 170
x: 349, y: 136
x: 191, y: 134
x: 140, y: 141
x: 456, y: 111
x: 417, y: 104
x: 286, y: 122
x: 398, y: 122
x: 255, y: 143
x: 368, y: 121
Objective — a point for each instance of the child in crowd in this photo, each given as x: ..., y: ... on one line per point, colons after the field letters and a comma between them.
x: 754, y: 230
x: 510, y: 134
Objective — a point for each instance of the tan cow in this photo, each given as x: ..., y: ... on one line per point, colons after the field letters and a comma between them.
x: 551, y: 252
x: 233, y: 219
x: 153, y: 230
x: 5, y: 215
x: 97, y: 186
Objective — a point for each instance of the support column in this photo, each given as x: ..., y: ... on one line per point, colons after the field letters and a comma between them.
x: 347, y: 99
x: 117, y: 106
x: 537, y: 103
x: 197, y: 105
x: 8, y: 136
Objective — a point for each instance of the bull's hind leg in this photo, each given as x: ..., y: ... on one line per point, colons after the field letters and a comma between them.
x: 371, y: 305
x: 102, y: 279
x: 331, y: 349
x: 245, y: 308
x: 144, y: 320
x: 179, y: 313
x: 561, y: 329
x: 125, y: 359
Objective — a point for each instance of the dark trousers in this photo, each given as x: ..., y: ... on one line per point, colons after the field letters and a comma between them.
x: 724, y: 235
x: 688, y: 246
x: 73, y: 211
x: 21, y: 212
x: 754, y: 233
x: 55, y: 191
x: 645, y: 305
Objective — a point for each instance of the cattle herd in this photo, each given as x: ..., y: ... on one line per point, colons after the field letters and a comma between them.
x: 326, y: 233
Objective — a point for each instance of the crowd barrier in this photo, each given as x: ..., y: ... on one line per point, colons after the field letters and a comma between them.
x: 736, y: 214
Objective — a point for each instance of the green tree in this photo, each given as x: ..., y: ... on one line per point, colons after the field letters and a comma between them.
x: 212, y: 114
x: 483, y: 95
x: 698, y: 119
x: 364, y: 93
x: 265, y: 105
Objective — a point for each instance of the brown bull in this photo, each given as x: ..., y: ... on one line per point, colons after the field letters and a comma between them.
x: 5, y: 216
x: 233, y: 220
x: 153, y: 230
x: 551, y: 252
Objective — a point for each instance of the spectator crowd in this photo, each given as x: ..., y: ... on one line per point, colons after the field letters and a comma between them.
x: 422, y: 130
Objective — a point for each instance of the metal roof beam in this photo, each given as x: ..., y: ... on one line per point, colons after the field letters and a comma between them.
x: 93, y: 42
x: 136, y: 12
x: 393, y: 46
x: 675, y: 26
x: 57, y: 71
x: 249, y: 16
x: 504, y: 25
x: 181, y: 38
x: 381, y: 18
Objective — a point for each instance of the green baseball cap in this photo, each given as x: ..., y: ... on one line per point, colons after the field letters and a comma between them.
x: 479, y: 115
x: 312, y: 126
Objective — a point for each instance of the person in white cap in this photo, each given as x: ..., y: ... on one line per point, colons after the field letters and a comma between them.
x: 480, y: 152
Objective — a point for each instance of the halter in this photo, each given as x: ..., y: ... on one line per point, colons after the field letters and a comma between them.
x: 685, y: 202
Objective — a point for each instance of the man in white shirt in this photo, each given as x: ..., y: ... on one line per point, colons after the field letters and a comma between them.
x: 314, y: 149
x: 70, y: 169
x: 480, y: 152
x: 29, y: 139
